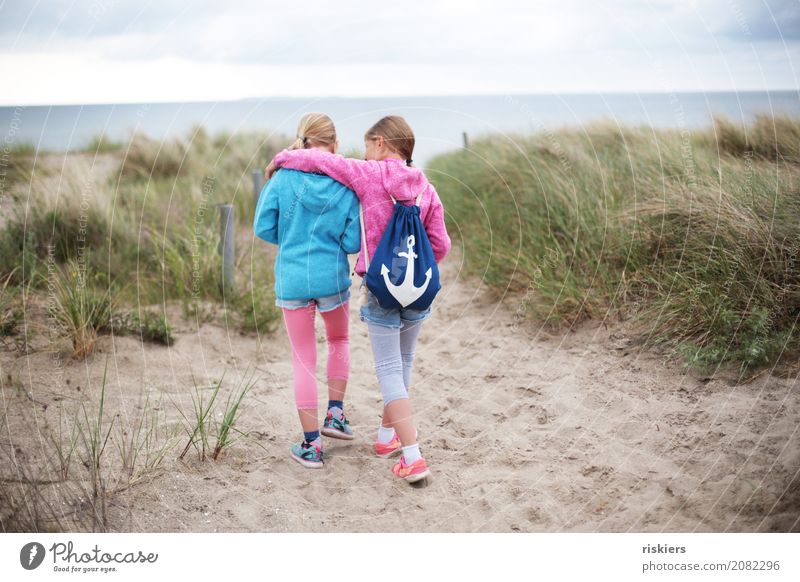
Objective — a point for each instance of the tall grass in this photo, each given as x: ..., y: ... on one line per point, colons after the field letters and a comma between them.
x: 144, y: 445
x: 79, y: 309
x: 10, y: 312
x: 226, y: 428
x: 94, y: 433
x: 694, y: 235
x: 202, y: 424
x: 143, y: 212
x: 199, y: 425
x: 65, y: 442
x: 58, y: 216
x: 16, y: 167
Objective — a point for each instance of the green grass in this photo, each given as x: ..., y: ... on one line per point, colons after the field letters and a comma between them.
x: 10, y: 312
x: 65, y: 442
x: 144, y: 213
x: 102, y: 144
x: 198, y: 425
x: 16, y: 166
x: 95, y: 433
x: 202, y: 424
x: 147, y: 325
x: 79, y: 308
x: 226, y: 428
x: 144, y: 443
x: 693, y: 235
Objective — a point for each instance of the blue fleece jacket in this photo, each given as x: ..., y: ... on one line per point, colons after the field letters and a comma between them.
x: 314, y: 220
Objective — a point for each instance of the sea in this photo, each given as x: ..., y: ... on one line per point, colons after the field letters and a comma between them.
x: 441, y: 123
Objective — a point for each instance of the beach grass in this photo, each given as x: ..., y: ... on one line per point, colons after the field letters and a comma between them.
x: 140, y: 219
x: 80, y: 308
x: 227, y: 428
x: 691, y: 235
x: 199, y: 424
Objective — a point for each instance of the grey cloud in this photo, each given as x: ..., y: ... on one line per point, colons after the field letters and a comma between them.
x: 438, y: 32
x: 762, y: 20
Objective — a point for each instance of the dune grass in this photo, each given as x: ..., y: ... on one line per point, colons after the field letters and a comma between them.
x: 105, y: 239
x: 10, y: 312
x: 139, y: 218
x: 693, y: 235
x: 80, y: 308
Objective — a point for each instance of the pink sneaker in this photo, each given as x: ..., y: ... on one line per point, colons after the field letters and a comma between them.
x: 413, y: 472
x: 384, y: 451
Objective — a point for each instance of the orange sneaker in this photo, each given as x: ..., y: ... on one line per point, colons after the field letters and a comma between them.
x: 386, y: 450
x: 413, y: 472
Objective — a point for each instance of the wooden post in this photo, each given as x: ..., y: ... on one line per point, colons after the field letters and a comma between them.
x: 226, y: 232
x: 258, y: 184
x: 465, y: 139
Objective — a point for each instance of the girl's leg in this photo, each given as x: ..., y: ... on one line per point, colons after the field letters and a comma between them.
x: 399, y: 412
x: 389, y: 369
x: 337, y: 324
x: 408, y: 343
x: 300, y: 327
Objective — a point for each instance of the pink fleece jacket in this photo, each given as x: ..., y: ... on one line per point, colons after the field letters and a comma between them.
x: 374, y: 182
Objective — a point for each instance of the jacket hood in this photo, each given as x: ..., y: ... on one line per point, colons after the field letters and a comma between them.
x: 402, y: 181
x: 317, y: 193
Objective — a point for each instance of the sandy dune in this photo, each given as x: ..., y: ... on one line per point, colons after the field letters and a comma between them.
x: 524, y: 431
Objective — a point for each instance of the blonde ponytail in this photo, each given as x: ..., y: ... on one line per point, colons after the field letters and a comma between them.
x: 314, y: 129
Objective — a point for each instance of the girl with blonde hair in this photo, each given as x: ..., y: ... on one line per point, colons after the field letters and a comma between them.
x: 387, y: 175
x: 314, y: 220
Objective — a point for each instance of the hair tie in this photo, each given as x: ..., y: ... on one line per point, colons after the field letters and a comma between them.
x: 303, y: 138
x: 409, y: 161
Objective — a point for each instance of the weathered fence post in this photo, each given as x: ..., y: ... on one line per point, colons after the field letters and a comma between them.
x: 258, y: 184
x: 465, y: 139
x: 226, y: 232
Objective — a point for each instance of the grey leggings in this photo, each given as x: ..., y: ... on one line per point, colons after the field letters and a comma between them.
x: 393, y: 351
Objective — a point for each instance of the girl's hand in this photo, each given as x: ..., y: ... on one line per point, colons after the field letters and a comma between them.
x: 270, y: 170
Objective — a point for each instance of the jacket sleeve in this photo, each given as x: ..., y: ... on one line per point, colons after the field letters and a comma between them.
x: 435, y: 227
x: 355, y: 174
x: 265, y: 223
x: 351, y: 237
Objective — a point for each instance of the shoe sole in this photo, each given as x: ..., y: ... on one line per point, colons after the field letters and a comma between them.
x: 418, y: 476
x: 307, y: 464
x: 387, y: 455
x: 335, y: 434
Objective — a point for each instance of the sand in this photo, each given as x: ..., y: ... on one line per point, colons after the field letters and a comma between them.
x: 524, y: 430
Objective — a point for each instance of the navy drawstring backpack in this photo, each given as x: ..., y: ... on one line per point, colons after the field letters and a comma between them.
x: 403, y: 273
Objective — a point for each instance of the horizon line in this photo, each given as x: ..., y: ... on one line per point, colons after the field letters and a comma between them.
x: 395, y: 96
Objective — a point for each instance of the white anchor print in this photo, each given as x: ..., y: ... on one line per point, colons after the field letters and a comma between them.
x: 405, y: 292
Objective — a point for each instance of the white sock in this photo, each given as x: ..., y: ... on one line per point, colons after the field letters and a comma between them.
x: 385, y: 435
x: 411, y: 453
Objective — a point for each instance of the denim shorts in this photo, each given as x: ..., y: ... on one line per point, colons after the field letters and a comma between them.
x: 328, y: 303
x: 372, y: 312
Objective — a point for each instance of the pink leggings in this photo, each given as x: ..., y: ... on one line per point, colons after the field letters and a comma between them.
x: 300, y: 327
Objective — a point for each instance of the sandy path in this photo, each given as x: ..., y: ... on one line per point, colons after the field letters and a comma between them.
x: 524, y: 431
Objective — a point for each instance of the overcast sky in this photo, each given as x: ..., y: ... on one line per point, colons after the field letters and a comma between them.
x: 103, y: 51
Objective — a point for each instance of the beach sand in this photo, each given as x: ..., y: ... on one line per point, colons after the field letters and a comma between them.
x: 524, y: 429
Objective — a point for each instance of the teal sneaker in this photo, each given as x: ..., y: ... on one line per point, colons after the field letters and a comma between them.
x: 336, y: 428
x: 307, y: 454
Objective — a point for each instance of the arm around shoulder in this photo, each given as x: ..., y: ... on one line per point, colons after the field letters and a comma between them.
x: 355, y: 174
